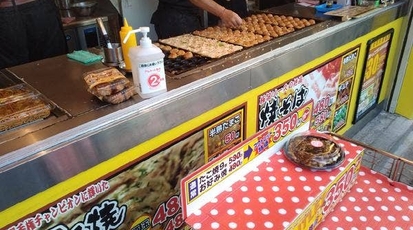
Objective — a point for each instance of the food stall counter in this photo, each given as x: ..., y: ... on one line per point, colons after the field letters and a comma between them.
x: 97, y: 144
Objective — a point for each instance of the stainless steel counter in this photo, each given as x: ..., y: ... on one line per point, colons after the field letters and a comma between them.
x: 90, y: 132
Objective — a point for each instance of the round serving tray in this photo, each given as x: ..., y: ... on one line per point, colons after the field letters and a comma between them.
x: 300, y: 146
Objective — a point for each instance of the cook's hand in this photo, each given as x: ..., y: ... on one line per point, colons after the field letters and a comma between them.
x: 230, y: 19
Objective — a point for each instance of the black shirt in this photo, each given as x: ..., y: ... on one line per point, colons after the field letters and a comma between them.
x: 238, y: 6
x: 176, y: 17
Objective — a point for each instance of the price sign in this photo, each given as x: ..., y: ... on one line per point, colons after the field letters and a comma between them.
x: 374, y: 69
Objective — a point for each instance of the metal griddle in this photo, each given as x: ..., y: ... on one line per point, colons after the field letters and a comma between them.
x: 60, y: 80
x: 208, y: 66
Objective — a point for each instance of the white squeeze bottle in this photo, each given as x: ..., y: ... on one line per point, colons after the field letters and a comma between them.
x: 148, y: 70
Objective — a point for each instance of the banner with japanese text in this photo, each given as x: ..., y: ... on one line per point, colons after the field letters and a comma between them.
x: 207, y: 178
x: 374, y: 69
x: 329, y: 86
x: 144, y: 195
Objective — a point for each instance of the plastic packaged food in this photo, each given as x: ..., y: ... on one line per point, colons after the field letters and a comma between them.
x: 22, y: 111
x: 109, y: 85
x: 109, y: 88
x: 120, y: 96
x: 104, y: 82
x: 15, y: 93
x: 314, y: 150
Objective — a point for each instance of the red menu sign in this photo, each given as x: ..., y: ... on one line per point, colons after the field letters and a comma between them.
x: 329, y: 86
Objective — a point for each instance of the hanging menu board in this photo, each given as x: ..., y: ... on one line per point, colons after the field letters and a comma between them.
x: 373, y: 72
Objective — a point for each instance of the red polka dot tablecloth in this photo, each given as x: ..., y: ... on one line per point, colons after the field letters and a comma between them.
x: 374, y: 202
x: 273, y: 194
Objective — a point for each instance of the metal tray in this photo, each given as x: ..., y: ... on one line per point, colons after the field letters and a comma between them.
x: 7, y: 79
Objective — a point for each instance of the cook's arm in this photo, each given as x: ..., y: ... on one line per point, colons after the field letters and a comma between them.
x: 228, y: 17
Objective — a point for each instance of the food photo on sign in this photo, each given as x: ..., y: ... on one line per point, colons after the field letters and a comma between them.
x: 329, y: 86
x: 224, y: 134
x: 323, y: 82
x: 144, y: 195
x: 378, y: 49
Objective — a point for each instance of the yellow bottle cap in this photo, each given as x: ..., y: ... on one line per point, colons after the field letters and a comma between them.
x: 126, y: 26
